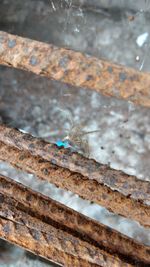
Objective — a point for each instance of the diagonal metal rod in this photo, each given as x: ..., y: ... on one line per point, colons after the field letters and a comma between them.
x: 24, y: 206
x: 75, y: 68
x: 121, y: 193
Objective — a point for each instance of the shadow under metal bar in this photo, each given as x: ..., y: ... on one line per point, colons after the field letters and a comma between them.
x: 58, y: 233
x: 118, y: 192
x: 75, y: 68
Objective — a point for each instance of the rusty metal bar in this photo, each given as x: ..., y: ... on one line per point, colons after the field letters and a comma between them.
x: 75, y: 68
x: 48, y: 210
x: 84, y: 187
x: 121, y: 193
x: 32, y: 220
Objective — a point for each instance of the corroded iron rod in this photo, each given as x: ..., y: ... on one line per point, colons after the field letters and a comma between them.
x: 121, y: 193
x: 75, y: 68
x: 28, y: 219
x: 15, y: 196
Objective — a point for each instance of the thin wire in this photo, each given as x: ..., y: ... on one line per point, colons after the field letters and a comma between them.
x: 53, y: 6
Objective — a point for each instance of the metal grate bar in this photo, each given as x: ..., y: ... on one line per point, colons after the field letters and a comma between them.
x: 75, y: 68
x: 42, y: 225
x: 115, y: 190
x: 51, y: 224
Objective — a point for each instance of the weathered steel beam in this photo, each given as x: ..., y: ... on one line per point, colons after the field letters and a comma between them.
x: 14, y: 196
x: 121, y: 193
x: 30, y: 220
x: 75, y: 68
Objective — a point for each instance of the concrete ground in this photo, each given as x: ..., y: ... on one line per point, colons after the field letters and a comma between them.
x: 43, y: 107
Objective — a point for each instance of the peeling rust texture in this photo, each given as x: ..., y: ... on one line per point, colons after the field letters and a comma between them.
x: 120, y: 193
x: 75, y: 68
x: 14, y: 197
x: 42, y: 225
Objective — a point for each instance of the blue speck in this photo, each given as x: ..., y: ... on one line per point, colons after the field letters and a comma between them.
x: 110, y: 69
x: 54, y: 161
x: 122, y: 76
x: 33, y: 60
x: 11, y: 43
x: 64, y: 144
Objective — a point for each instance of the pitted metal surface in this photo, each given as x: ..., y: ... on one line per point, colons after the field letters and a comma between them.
x: 75, y: 68
x: 115, y: 190
x: 31, y: 220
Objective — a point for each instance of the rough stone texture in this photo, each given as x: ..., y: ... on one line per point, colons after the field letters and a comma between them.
x: 33, y: 104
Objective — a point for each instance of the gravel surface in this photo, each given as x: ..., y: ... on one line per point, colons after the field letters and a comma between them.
x: 44, y: 108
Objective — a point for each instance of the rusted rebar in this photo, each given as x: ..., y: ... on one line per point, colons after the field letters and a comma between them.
x: 16, y: 196
x: 75, y: 68
x: 31, y: 220
x: 121, y: 193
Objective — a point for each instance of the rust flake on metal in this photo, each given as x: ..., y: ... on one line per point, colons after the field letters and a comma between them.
x: 75, y: 68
